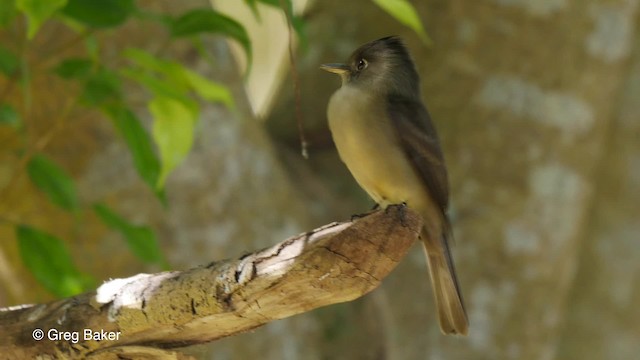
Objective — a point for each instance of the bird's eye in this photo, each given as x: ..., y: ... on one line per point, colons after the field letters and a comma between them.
x: 362, y: 64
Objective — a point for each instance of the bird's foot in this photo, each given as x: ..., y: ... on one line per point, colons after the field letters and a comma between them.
x: 375, y: 208
x: 402, y: 212
x: 360, y: 216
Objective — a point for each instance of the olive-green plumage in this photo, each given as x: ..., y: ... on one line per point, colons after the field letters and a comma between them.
x: 384, y: 135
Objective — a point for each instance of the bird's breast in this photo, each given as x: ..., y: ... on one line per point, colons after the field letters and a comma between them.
x: 368, y: 144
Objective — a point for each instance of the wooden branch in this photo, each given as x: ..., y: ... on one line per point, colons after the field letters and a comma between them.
x: 147, y: 313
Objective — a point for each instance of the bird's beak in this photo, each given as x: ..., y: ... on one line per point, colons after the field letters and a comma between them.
x: 339, y: 69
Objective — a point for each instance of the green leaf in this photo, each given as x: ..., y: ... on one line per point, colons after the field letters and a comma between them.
x: 210, y: 21
x: 178, y: 80
x: 7, y: 11
x: 48, y: 259
x: 207, y: 89
x: 157, y: 86
x: 406, y: 14
x: 146, y: 60
x: 253, y: 5
x: 138, y: 141
x: 74, y: 68
x: 8, y: 61
x: 102, y: 88
x: 141, y: 239
x: 37, y: 12
x: 53, y: 181
x: 286, y: 6
x: 8, y: 116
x: 100, y: 14
x: 173, y: 71
x: 172, y: 86
x: 299, y: 25
x: 172, y: 131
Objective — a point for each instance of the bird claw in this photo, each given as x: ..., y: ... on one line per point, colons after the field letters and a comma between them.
x: 375, y: 208
x: 355, y: 217
x: 402, y: 212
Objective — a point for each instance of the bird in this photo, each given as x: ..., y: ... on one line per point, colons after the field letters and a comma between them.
x: 384, y: 135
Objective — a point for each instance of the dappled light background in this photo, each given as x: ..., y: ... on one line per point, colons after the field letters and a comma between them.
x: 536, y: 104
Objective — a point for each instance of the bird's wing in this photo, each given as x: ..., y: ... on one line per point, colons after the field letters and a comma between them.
x: 419, y: 140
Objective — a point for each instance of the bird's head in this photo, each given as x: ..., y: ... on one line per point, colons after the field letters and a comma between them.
x: 382, y: 65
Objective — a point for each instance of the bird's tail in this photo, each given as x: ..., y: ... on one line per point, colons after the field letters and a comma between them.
x: 451, y: 311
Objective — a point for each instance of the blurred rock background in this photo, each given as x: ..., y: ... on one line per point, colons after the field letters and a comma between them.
x: 536, y: 103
